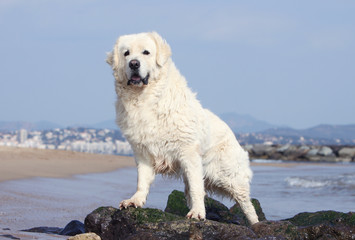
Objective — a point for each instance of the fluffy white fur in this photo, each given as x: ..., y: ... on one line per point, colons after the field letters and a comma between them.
x: 170, y: 132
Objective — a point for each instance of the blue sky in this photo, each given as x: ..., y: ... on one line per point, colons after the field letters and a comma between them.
x: 285, y: 62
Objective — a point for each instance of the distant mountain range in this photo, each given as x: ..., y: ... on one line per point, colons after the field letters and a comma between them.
x: 324, y: 131
x: 238, y: 123
x: 245, y: 123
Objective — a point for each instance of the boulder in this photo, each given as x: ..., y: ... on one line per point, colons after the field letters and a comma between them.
x: 323, y: 217
x: 138, y: 224
x: 73, y: 228
x: 312, y: 152
x: 144, y: 223
x: 261, y: 150
x: 215, y: 210
x: 177, y: 204
x: 326, y: 151
x: 295, y: 153
x: 283, y: 148
x: 242, y: 219
x: 347, y: 152
x: 325, y: 225
x: 276, y: 230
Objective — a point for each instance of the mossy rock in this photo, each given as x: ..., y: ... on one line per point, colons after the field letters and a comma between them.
x: 323, y: 217
x: 149, y: 215
x: 215, y: 210
x: 236, y: 210
x: 177, y: 204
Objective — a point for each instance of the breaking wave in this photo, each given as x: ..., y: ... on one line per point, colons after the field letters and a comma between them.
x: 341, y: 182
x: 306, y: 183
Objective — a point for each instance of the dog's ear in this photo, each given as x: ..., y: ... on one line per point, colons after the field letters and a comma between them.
x: 112, y: 57
x: 163, y: 49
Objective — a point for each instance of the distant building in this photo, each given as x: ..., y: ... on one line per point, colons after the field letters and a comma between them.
x: 22, y: 136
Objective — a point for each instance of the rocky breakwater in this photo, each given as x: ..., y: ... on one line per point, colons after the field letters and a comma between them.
x: 302, y: 153
x: 222, y: 223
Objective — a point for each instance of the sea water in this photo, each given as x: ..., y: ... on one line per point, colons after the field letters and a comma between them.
x: 283, y: 191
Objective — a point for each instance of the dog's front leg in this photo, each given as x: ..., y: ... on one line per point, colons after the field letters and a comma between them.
x: 193, y: 175
x: 145, y: 178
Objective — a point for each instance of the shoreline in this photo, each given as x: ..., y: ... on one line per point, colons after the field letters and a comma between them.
x: 22, y: 163
x: 26, y: 163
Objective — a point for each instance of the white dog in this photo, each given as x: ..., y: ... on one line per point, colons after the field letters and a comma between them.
x: 170, y: 132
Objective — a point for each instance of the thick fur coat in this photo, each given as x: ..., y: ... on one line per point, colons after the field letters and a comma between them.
x: 170, y: 132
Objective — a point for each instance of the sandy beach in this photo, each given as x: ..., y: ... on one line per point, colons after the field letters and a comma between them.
x: 34, y: 208
x: 20, y: 163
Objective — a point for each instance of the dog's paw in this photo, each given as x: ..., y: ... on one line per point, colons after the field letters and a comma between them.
x: 132, y: 202
x: 197, y: 214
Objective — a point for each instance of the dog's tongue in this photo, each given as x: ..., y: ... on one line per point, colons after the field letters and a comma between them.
x: 135, y: 78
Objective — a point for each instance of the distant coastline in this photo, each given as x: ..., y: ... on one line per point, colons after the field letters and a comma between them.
x: 108, y: 141
x: 305, y: 153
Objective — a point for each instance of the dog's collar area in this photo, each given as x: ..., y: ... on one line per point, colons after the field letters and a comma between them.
x: 136, y: 80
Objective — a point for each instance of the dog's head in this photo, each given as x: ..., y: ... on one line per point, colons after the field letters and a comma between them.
x: 137, y: 58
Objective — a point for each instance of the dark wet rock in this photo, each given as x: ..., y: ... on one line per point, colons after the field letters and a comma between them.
x: 52, y: 230
x: 325, y: 225
x: 138, y: 223
x: 323, y: 217
x: 215, y: 210
x: 276, y: 230
x: 111, y: 223
x: 242, y: 219
x: 73, y: 228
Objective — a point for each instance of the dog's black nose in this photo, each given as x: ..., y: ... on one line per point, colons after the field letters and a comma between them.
x: 134, y: 64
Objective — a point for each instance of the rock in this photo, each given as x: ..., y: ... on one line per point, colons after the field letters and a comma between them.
x: 53, y: 230
x: 312, y: 152
x: 325, y: 225
x: 242, y: 219
x: 323, y: 217
x: 153, y: 224
x: 295, y: 153
x: 276, y: 230
x: 215, y: 210
x: 248, y: 147
x: 138, y: 223
x: 177, y: 204
x: 73, y: 228
x: 347, y: 152
x: 283, y: 148
x: 85, y: 236
x: 325, y: 151
x: 262, y: 150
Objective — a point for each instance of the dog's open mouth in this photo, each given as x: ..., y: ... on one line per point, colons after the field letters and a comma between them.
x: 137, y: 80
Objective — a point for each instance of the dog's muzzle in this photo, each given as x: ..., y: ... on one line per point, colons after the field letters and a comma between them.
x: 136, y: 79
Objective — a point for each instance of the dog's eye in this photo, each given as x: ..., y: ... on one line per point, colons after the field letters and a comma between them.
x: 126, y: 53
x: 146, y: 52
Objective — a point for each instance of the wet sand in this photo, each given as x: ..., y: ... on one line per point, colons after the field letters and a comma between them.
x: 20, y: 163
